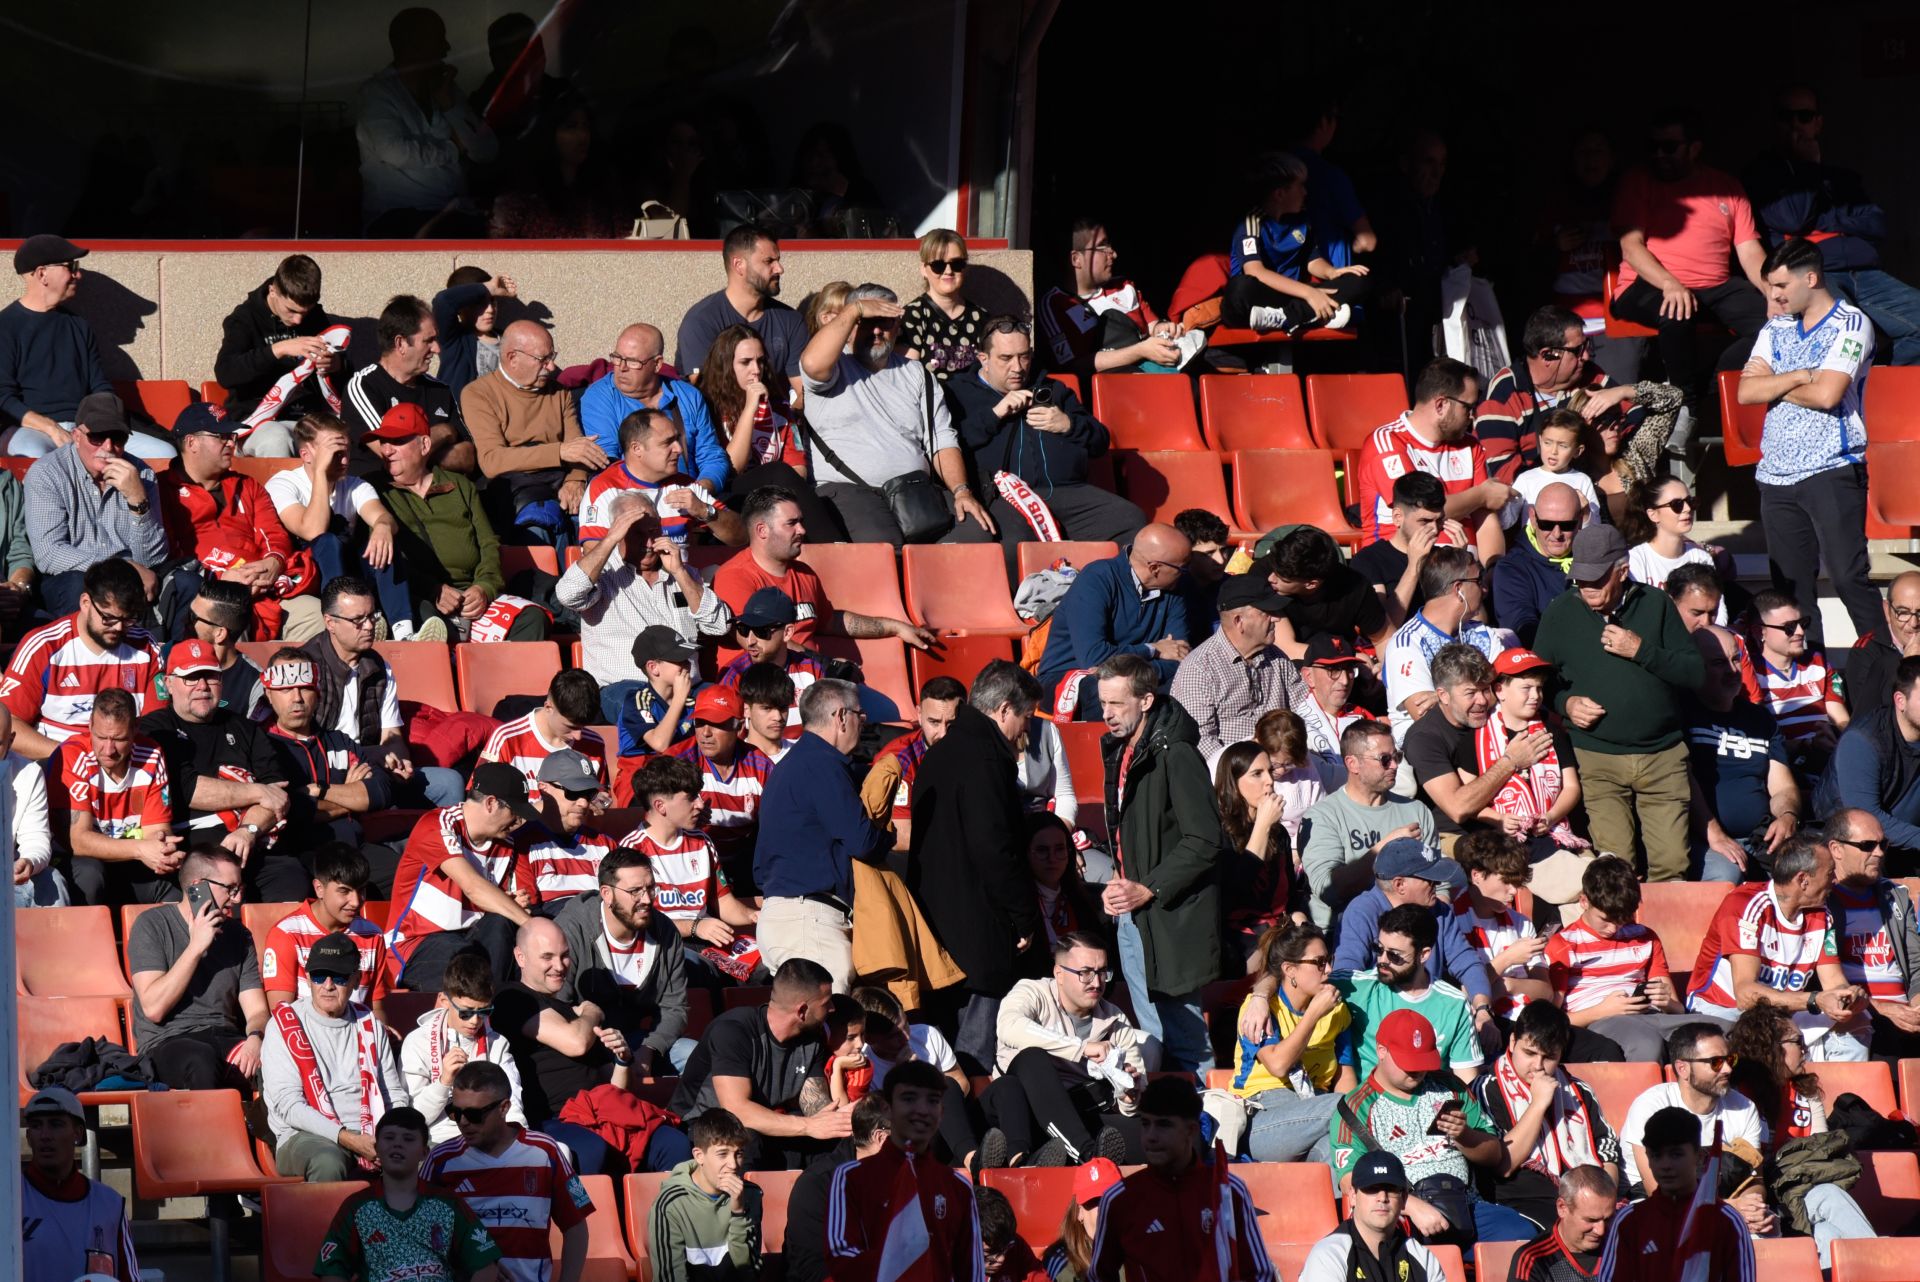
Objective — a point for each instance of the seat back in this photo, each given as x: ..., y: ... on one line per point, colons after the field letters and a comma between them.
x: 959, y: 588
x: 1785, y: 1259
x: 1254, y: 412
x: 1345, y: 408
x: 46, y: 1023
x: 640, y: 1191
x: 1740, y: 425
x: 1147, y: 411
x: 1039, y: 1197
x: 296, y: 1218
x: 1616, y: 1086
x: 862, y: 577
x: 1204, y: 277
x: 1164, y: 483
x: 1279, y: 487
x: 776, y: 1188
x: 1451, y: 1262
x: 1892, y: 508
x: 130, y: 913
x: 886, y: 690
x: 605, y: 1241
x: 486, y: 672
x: 261, y: 918
x: 1294, y: 1200
x: 1892, y: 403
x: 1871, y: 1080
x: 1889, y: 1188
x: 1909, y: 1082
x: 160, y: 399
x: 1680, y: 912
x: 1072, y: 383
x: 958, y: 657
x: 1874, y: 1259
x: 67, y: 952
x: 1082, y: 742
x: 190, y: 1143
x: 516, y: 560
x: 263, y: 469
x: 422, y: 672
x: 1031, y: 557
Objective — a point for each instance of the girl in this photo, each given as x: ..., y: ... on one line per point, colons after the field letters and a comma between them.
x: 1282, y: 735
x: 1068, y: 1259
x: 1066, y: 905
x: 1659, y: 517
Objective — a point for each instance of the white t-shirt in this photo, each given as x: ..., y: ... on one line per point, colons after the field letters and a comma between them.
x: 1644, y: 565
x: 294, y: 488
x: 926, y: 1043
x: 1738, y: 1118
x: 1527, y: 487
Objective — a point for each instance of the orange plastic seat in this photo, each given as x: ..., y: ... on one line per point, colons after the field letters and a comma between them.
x: 959, y: 589
x: 776, y: 1189
x: 67, y: 952
x: 1451, y: 1263
x: 1889, y: 1189
x: 1909, y: 1082
x: 889, y: 696
x: 862, y: 577
x: 1491, y: 1260
x: 1871, y: 1080
x: 1204, y: 277
x: 1875, y: 1259
x: 264, y: 469
x: 1164, y: 483
x: 1294, y: 1200
x: 607, y: 1253
x: 514, y: 560
x: 130, y: 913
x: 46, y: 1023
x: 1784, y: 1259
x: 958, y: 657
x: 213, y: 394
x: 1281, y: 487
x: 194, y: 1143
x: 1079, y: 554
x: 1345, y: 408
x: 1039, y: 1197
x: 422, y: 672
x: 1615, y: 327
x: 296, y: 1218
x: 1072, y: 383
x: 1740, y: 425
x: 640, y: 1191
x: 1893, y: 508
x: 261, y: 918
x: 1616, y: 1086
x: 160, y: 399
x: 1082, y: 742
x: 1680, y: 912
x: 1892, y: 403
x: 1147, y: 411
x: 486, y: 672
x: 1254, y: 412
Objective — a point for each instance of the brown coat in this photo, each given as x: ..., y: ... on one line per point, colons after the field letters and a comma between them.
x: 892, y: 943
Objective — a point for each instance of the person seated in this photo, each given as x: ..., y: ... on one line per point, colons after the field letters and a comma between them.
x: 277, y: 363
x: 733, y: 774
x: 1435, y: 436
x: 1646, y: 1237
x: 1797, y: 684
x: 110, y: 811
x: 1237, y: 675
x: 1511, y: 420
x: 633, y: 382
x: 331, y: 786
x: 1258, y: 888
x: 1446, y: 746
x: 198, y: 1011
x: 1497, y: 871
x: 1538, y: 564
x: 87, y: 502
x: 1746, y: 802
x: 1028, y: 441
x: 58, y: 669
x: 1868, y: 680
x: 1280, y: 278
x: 1066, y: 901
x: 563, y: 855
x: 527, y: 438
x: 692, y: 889
x: 1324, y: 596
x: 633, y: 964
x: 1392, y: 565
x: 409, y: 341
x: 27, y: 847
x: 458, y: 1030
x: 406, y: 1228
x: 1583, y: 1204
x: 1374, y: 1232
x: 874, y: 417
x: 340, y: 876
x: 1126, y: 604
x: 221, y: 615
x: 1701, y: 1085
x: 1406, y: 874
x: 660, y: 713
x: 1005, y: 1255
x: 1873, y: 930
x: 759, y: 430
x: 751, y: 298
x: 16, y: 559
x: 1609, y: 971
x: 1866, y: 771
x: 1660, y: 513
x: 1454, y: 584
x: 1563, y: 439
x: 561, y: 721
x: 75, y: 1211
x: 1535, y: 804
x: 767, y: 700
x: 941, y: 329
x: 888, y: 1040
x: 1349, y: 827
x: 650, y: 452
x: 1102, y: 321
x: 706, y: 1217
x: 466, y: 315
x: 328, y: 1071
x: 1294, y: 1076
x: 49, y: 358
x: 1330, y: 669
x: 805, y: 1254
x: 1696, y: 593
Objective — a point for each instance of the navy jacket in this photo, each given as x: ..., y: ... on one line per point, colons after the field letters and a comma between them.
x: 1102, y: 615
x: 812, y: 825
x: 1041, y: 459
x: 458, y: 364
x: 1875, y: 770
x: 1524, y: 584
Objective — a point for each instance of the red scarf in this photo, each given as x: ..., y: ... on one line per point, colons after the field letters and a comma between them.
x: 336, y: 337
x: 1020, y: 496
x: 1566, y: 1141
x: 313, y: 1084
x: 1529, y: 793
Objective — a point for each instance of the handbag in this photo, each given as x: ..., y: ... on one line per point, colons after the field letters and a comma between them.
x: 657, y: 222
x: 918, y: 505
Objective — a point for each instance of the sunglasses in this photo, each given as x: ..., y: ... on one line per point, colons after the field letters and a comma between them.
x: 1876, y: 844
x: 1322, y: 962
x: 1395, y: 957
x: 1715, y: 1062
x: 1676, y: 506
x: 473, y: 1116
x: 326, y: 978
x: 763, y: 634
x: 1384, y: 759
x: 1788, y: 625
x: 1567, y: 526
x: 470, y: 1012
x: 1555, y: 353
x: 946, y: 265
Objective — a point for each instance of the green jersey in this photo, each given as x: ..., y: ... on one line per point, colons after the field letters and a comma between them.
x: 1445, y: 1007
x: 1399, y: 1125
x: 438, y: 1238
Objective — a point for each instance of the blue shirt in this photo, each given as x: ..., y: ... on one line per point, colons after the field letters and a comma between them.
x: 603, y: 407
x: 646, y: 710
x: 812, y: 825
x: 1333, y: 206
x: 1799, y: 441
x: 1359, y: 944
x: 1284, y: 245
x: 1104, y: 614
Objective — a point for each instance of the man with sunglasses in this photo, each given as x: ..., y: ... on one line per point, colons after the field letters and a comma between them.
x: 1702, y: 1085
x: 328, y: 1071
x: 1348, y: 828
x: 633, y: 382
x: 563, y: 854
x: 58, y: 669
x: 1746, y: 801
x: 456, y: 1032
x: 1557, y: 361
x: 1435, y: 436
x: 1524, y: 582
x: 88, y: 502
x: 1874, y: 931
x: 766, y: 626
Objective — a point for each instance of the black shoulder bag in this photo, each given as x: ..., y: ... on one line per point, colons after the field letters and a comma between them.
x: 918, y: 504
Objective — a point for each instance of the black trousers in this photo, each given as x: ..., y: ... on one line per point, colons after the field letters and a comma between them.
x: 1030, y: 1104
x: 195, y: 1061
x: 1083, y: 512
x: 492, y: 935
x: 1735, y: 303
x: 1889, y: 1043
x: 1822, y: 518
x: 92, y: 882
x: 1244, y: 293
x: 867, y: 517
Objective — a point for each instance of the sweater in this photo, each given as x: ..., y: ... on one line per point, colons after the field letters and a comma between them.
x: 658, y: 1007
x: 335, y: 1043
x: 1867, y: 682
x: 697, y: 1236
x: 72, y: 522
x: 49, y: 361
x: 516, y: 429
x: 444, y: 537
x: 16, y: 550
x: 1524, y: 584
x: 246, y: 366
x: 1876, y: 770
x: 1640, y: 695
x: 1042, y: 459
x: 431, y: 1095
x: 1102, y: 615
x: 1031, y: 1015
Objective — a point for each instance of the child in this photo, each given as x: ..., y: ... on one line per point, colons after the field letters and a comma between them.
x: 1497, y: 868
x: 689, y: 886
x: 340, y: 875
x: 454, y: 1031
x: 849, y: 1076
x: 1273, y: 254
x: 766, y: 696
x: 661, y: 711
x: 399, y: 1230
x: 1007, y: 1257
x: 706, y: 1220
x: 1283, y: 737
x: 1610, y: 972
x: 1561, y: 444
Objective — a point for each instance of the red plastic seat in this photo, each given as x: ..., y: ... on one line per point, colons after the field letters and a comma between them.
x: 1072, y: 383
x: 264, y: 469
x: 1204, y: 277
x: 193, y: 1143
x: 776, y: 1189
x: 958, y: 657
x: 213, y: 394
x: 1345, y: 408
x: 1892, y: 403
x: 1616, y: 1086
x: 1875, y: 1259
x: 296, y: 1219
x: 1893, y: 505
x: 1294, y: 1199
x: 1280, y: 487
x: 1038, y: 556
x: 1889, y: 1192
x: 486, y: 672
x: 607, y: 1253
x: 1680, y: 912
x: 1740, y: 425
x: 1254, y: 412
x: 160, y: 399
x: 1491, y: 1260
x: 514, y: 560
x: 130, y: 913
x: 1786, y: 1259
x: 261, y: 918
x: 1039, y: 1197
x: 1871, y: 1080
x: 639, y: 1194
x: 1909, y: 1082
x: 422, y: 672
x: 1165, y: 483
x: 883, y: 672
x: 862, y: 577
x: 67, y: 952
x: 1082, y: 742
x: 1451, y: 1262
x: 959, y: 589
x: 46, y: 1023
x: 1147, y: 411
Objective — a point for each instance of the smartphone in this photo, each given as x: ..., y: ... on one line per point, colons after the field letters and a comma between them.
x: 199, y: 895
x: 1043, y: 394
x: 1449, y: 1107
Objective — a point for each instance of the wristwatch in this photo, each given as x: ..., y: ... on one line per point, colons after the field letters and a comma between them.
x: 252, y: 828
x: 1813, y: 1003
x: 141, y: 508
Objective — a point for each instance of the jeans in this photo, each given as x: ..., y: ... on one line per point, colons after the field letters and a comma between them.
x: 1735, y: 303
x: 337, y: 556
x: 1823, y: 518
x: 614, y: 697
x: 43, y: 890
x: 1716, y: 867
x: 976, y: 1041
x: 1495, y: 1223
x: 667, y: 1147
x: 24, y: 442
x: 1291, y: 1128
x: 438, y: 784
x: 1174, y: 1021
x: 1835, y: 1215
x: 1894, y: 308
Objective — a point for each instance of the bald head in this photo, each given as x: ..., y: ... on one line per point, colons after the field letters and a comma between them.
x: 542, y: 952
x: 1903, y: 595
x: 1159, y: 555
x: 526, y: 353
x: 1720, y: 651
x: 1557, y: 504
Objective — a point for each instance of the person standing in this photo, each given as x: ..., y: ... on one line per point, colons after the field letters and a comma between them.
x: 67, y: 1221
x: 1647, y: 1236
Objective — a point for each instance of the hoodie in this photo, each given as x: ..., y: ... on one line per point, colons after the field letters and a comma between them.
x: 653, y: 1014
x: 1876, y: 770
x: 696, y: 1236
x: 430, y: 1094
x: 247, y: 367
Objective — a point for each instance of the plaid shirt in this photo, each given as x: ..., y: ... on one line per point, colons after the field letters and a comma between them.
x: 1227, y: 694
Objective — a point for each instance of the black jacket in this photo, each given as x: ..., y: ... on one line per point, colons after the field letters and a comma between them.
x: 967, y: 866
x: 247, y: 367
x: 1041, y: 459
x: 1868, y: 680
x: 1525, y: 583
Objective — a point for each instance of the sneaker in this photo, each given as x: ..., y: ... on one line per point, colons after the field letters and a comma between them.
x: 380, y: 631
x: 402, y: 631
x: 992, y: 1152
x: 1264, y: 320
x: 1052, y: 1153
x: 1191, y: 344
x: 1342, y: 316
x: 1111, y: 1144
x: 434, y: 629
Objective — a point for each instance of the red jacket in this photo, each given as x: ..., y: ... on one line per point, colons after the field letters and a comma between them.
x: 1162, y: 1230
x: 234, y: 522
x: 621, y: 1118
x: 864, y: 1211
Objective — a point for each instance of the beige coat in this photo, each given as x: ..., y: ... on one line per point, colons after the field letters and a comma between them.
x: 892, y: 943
x: 1031, y: 1015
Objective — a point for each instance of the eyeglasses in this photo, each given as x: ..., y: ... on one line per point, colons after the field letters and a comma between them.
x: 1798, y: 115
x: 1903, y: 613
x: 1384, y: 759
x: 470, y: 1012
x: 1471, y: 578
x: 1876, y: 844
x: 1676, y: 506
x: 1555, y: 353
x: 355, y: 621
x: 1102, y: 248
x: 1788, y: 625
x: 551, y: 358
x: 114, y: 620
x: 857, y: 713
x: 946, y: 265
x: 632, y: 362
x: 1395, y: 957
x: 1545, y: 526
x: 232, y: 889
x: 1166, y: 565
x: 1087, y: 974
x: 764, y: 633
x: 1468, y: 406
x: 1714, y: 1062
x: 328, y: 978
x: 1801, y: 1042
x: 638, y: 892
x: 1322, y: 962
x: 474, y: 1116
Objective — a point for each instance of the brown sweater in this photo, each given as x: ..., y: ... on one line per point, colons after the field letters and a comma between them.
x: 516, y: 430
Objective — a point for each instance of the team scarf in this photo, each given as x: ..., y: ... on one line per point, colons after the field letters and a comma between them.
x: 501, y: 612
x: 1567, y: 1139
x: 1020, y: 496
x: 1528, y: 793
x: 437, y: 1033
x: 313, y: 1083
x: 336, y: 338
x: 1693, y: 1259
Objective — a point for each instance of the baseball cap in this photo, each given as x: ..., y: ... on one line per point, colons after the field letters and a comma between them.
x: 663, y: 643
x: 1512, y: 663
x: 1406, y: 1035
x: 191, y: 658
x: 401, y: 422
x: 1380, y: 1169
x: 718, y: 704
x: 334, y: 954
x: 1092, y: 1180
x: 102, y: 414
x: 1329, y: 651
x: 506, y: 785
x: 43, y: 251
x: 202, y: 417
x: 1237, y: 590
x: 1596, y: 550
x: 1412, y: 857
x: 55, y: 1099
x: 568, y: 771
x: 288, y: 674
x: 768, y: 608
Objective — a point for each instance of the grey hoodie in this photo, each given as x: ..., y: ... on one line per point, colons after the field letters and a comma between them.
x: 658, y: 1007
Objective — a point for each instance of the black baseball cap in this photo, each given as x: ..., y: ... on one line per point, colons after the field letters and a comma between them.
x: 334, y: 954
x: 102, y: 414
x: 502, y: 782
x: 768, y: 608
x: 1379, y: 1170
x: 43, y: 251
x: 1237, y: 590
x: 662, y: 643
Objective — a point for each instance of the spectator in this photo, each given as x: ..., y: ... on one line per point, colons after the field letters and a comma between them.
x: 1557, y: 361
x: 58, y: 669
x: 1524, y: 582
x: 890, y: 1040
x: 527, y: 437
x: 733, y: 775
x: 64, y: 1213
x: 399, y: 1224
x: 660, y: 713
x: 1696, y: 593
x: 1004, y: 1254
x: 1373, y: 1236
x: 1400, y: 979
x: 807, y: 1203
x: 751, y: 256
x: 16, y: 557
x: 887, y: 791
x: 1072, y: 1254
x: 1745, y: 800
x: 1237, y: 675
x: 1702, y: 1085
x: 562, y: 721
x: 1444, y: 747
x: 455, y: 876
x: 1873, y: 930
x: 1263, y: 797
x: 1436, y: 437
x: 340, y: 876
x: 110, y: 809
x: 874, y: 417
x: 466, y: 315
x: 1165, y: 895
x: 1329, y: 670
x: 760, y: 432
x: 1425, y: 232
x: 1610, y: 972
x: 455, y: 1032
x: 276, y: 362
x: 1125, y: 606
x: 1549, y: 1121
x: 1350, y: 827
x: 409, y: 340
x: 1207, y: 568
x: 198, y: 1012
x: 941, y: 329
x: 1647, y: 1236
x: 1678, y: 222
x: 328, y: 1071
x: 1875, y: 767
x: 1867, y: 682
x: 692, y: 888
x: 1659, y: 514
x: 766, y: 696
x: 1274, y: 259
x: 564, y: 858
x: 1583, y: 1204
x: 631, y: 961
x: 1538, y: 803
x: 706, y: 1218
x: 812, y: 828
x: 1563, y: 439
x: 27, y: 845
x: 1407, y: 873
x: 1103, y: 322
x: 1796, y: 683
x: 1294, y: 1077
x: 633, y: 383
x: 1574, y: 240
x: 1623, y: 657
x: 330, y: 786
x: 1067, y: 904
x: 1339, y: 220
x: 1392, y: 565
x: 1497, y: 871
x: 416, y: 135
x: 221, y: 615
x: 649, y: 461
x: 87, y: 502
x: 49, y: 358
x: 1455, y: 587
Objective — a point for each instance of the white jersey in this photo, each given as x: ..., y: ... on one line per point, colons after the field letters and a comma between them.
x: 1799, y: 441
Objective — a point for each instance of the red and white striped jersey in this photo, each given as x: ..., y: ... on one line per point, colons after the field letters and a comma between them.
x: 1798, y: 696
x: 732, y: 793
x: 54, y: 675
x: 425, y: 900
x: 293, y: 937
x: 517, y: 1195
x: 1394, y: 450
x: 1586, y: 970
x: 686, y: 877
x: 519, y: 744
x: 802, y: 668
x: 1492, y: 934
x: 136, y: 805
x: 596, y: 507
x: 1749, y: 923
x: 563, y: 866
x: 1865, y: 943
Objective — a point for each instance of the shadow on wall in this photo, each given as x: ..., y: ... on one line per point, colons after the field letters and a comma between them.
x: 997, y: 293
x: 117, y: 315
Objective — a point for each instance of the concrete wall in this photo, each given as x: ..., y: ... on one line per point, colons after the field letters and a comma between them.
x: 157, y: 312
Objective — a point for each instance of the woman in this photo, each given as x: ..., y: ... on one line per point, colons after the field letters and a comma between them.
x: 1293, y: 1078
x: 1658, y: 518
x: 1045, y: 779
x: 825, y: 304
x: 1257, y: 863
x: 1066, y: 905
x: 570, y: 196
x: 1536, y: 803
x: 1068, y: 1259
x: 941, y: 327
x: 762, y: 439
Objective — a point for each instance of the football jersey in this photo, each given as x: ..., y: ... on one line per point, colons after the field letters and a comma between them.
x: 564, y: 866
x: 136, y: 805
x: 54, y: 675
x: 687, y: 879
x: 596, y: 509
x: 1798, y: 441
x: 1866, y: 948
x: 803, y: 669
x: 438, y: 1238
x: 732, y: 793
x: 1749, y: 923
x: 1070, y: 324
x: 293, y: 937
x: 742, y: 576
x: 1491, y: 935
x: 1799, y: 696
x: 519, y: 744
x: 425, y: 899
x: 1396, y: 449
x: 1585, y: 969
x: 1281, y: 245
x: 517, y: 1195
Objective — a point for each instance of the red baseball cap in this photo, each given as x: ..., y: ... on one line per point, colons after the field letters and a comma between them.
x: 718, y: 703
x: 1512, y: 663
x: 191, y: 658
x: 1408, y: 1037
x: 401, y: 422
x: 1091, y: 1181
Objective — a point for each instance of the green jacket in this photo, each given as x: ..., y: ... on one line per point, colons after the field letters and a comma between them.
x: 1641, y: 694
x: 445, y: 538
x: 1170, y: 840
x: 696, y: 1237
x: 15, y: 552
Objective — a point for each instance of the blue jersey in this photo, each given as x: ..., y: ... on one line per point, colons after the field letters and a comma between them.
x: 1799, y: 441
x: 1284, y: 246
x: 643, y: 712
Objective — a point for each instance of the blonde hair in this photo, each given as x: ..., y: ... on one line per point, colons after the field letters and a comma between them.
x: 830, y: 297
x: 1075, y: 1242
x: 939, y: 241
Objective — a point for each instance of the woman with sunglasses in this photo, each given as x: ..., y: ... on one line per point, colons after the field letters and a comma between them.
x: 1294, y: 1076
x: 941, y: 327
x: 1659, y: 516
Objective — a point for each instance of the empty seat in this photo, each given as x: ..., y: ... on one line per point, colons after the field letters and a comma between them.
x: 1282, y: 487
x: 1616, y: 1086
x: 1871, y: 1080
x: 67, y: 952
x: 1680, y: 912
x: 607, y: 1253
x: 1204, y: 277
x: 264, y: 469
x: 887, y: 696
x: 1079, y: 554
x: 958, y: 657
x: 1491, y: 1260
x: 1909, y: 1082
x: 1876, y: 1259
x: 1082, y: 742
x: 1147, y: 411
x: 1893, y: 507
x: 1785, y: 1259
x: 1254, y: 412
x: 193, y: 1143
x: 776, y: 1189
x: 296, y: 1218
x: 486, y: 672
x: 422, y: 672
x: 862, y: 577
x: 1345, y: 408
x: 159, y: 399
x: 1740, y: 425
x: 1889, y: 1189
x: 1164, y: 483
x: 1892, y: 403
x: 639, y: 1192
x: 213, y: 394
x: 960, y: 589
x: 1294, y: 1200
x: 261, y: 918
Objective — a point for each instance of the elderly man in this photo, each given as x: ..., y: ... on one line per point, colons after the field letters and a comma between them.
x: 751, y: 298
x: 1868, y: 680
x: 1534, y: 571
x: 1237, y: 675
x: 1125, y: 605
x: 87, y: 501
x: 631, y: 961
x: 110, y: 807
x: 58, y: 669
x: 1583, y: 1204
x: 409, y: 344
x: 1557, y: 363
x: 526, y: 434
x: 1625, y: 658
x: 1874, y: 931
x: 876, y: 419
x: 1328, y: 671
x: 634, y: 382
x: 417, y: 134
x: 651, y: 450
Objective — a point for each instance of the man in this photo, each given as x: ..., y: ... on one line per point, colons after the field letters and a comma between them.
x: 1610, y: 971
x: 1237, y: 675
x: 228, y: 784
x: 1158, y: 1224
x: 767, y: 1066
x: 1652, y: 1239
x: 631, y: 579
x: 398, y: 1229
x: 57, y: 671
x: 887, y: 791
x: 221, y: 614
x: 1624, y: 659
x: 1324, y: 596
x: 628, y: 957
x: 1164, y: 895
x: 812, y: 828
x: 1443, y: 745
x: 564, y: 856
x: 1745, y: 798
x: 874, y: 417
x: 1126, y: 605
x: 328, y: 1071
x: 967, y: 864
x: 409, y: 344
x: 516, y: 1181
x: 1455, y: 587
x: 1434, y: 436
x: 271, y: 346
x: 1371, y: 1241
x: 198, y: 1011
x: 1697, y: 594
x: 561, y: 721
x: 1570, y: 1250
x: 751, y: 298
x: 87, y: 502
x: 452, y: 887
x: 331, y: 787
x: 67, y: 1221
x: 454, y: 1032
x: 714, y: 923
x: 49, y: 358
x: 648, y: 462
x: 1809, y: 368
x: 1876, y: 767
x: 1702, y: 1078
x: 1679, y: 222
x: 1874, y: 932
x: 1329, y: 671
x: 1401, y: 979
x: 1408, y: 873
x: 1868, y: 680
x: 1534, y: 572
x: 1104, y: 322
x: 733, y: 777
x: 1392, y: 565
x: 634, y: 383
x: 526, y: 434
x: 340, y: 876
x: 1769, y: 941
x: 806, y: 1259
x: 1345, y: 831
x: 110, y: 809
x: 1557, y: 362
x: 416, y: 135
x: 1028, y: 442
x: 874, y: 1202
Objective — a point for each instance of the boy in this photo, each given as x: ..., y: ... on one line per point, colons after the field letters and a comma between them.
x: 399, y: 1230
x: 1609, y: 972
x: 1644, y: 1243
x: 455, y: 1031
x: 340, y: 875
x: 706, y: 1219
x: 1497, y: 868
x: 1561, y: 442
x: 732, y: 776
x: 572, y: 705
x: 1274, y: 253
x: 765, y: 628
x: 689, y: 886
x: 766, y: 697
x: 661, y: 713
x: 1007, y: 1258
